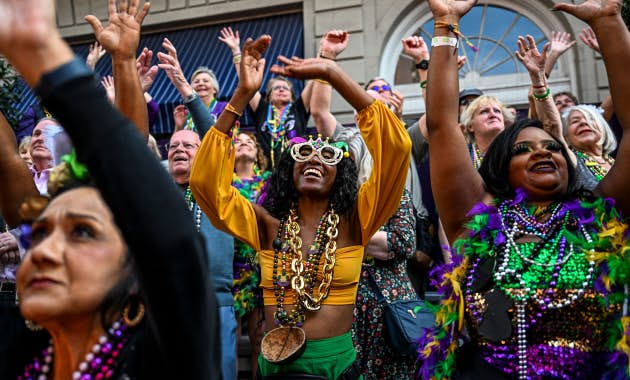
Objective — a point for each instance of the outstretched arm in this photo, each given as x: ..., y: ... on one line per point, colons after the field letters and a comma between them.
x: 330, y: 46
x: 456, y: 173
x: 604, y: 16
x: 232, y: 40
x: 120, y: 39
x: 535, y: 63
x: 560, y: 43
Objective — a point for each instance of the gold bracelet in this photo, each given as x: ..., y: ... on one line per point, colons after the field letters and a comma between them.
x: 236, y: 59
x: 230, y: 108
x: 322, y: 81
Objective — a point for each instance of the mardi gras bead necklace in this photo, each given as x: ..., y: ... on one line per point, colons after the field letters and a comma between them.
x: 275, y: 123
x: 476, y: 155
x: 292, y: 269
x: 596, y: 168
x: 99, y: 363
x: 190, y: 202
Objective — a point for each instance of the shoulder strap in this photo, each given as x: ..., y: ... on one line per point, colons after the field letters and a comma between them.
x: 379, y: 295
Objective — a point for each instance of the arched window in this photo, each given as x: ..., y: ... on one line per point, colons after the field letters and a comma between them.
x: 493, y: 27
x: 493, y: 31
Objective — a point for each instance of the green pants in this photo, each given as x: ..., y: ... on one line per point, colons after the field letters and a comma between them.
x: 323, y: 357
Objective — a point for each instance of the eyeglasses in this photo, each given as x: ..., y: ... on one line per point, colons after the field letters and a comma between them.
x: 277, y: 88
x: 328, y: 154
x: 186, y: 145
x: 384, y: 87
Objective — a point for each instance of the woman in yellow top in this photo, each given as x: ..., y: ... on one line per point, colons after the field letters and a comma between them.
x: 312, y: 201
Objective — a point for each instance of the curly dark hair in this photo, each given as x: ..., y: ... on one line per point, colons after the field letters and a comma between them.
x: 495, y: 167
x: 281, y: 194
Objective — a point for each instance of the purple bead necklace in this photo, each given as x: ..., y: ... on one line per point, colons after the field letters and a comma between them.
x: 98, y: 364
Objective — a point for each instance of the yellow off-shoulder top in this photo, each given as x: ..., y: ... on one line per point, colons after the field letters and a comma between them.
x: 378, y: 198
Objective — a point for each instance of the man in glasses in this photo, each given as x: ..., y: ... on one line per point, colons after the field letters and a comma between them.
x: 182, y: 149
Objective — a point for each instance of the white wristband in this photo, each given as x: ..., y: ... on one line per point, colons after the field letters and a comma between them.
x: 444, y: 41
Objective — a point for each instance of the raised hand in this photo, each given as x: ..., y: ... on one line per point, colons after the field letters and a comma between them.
x: 591, y: 10
x: 231, y: 39
x: 396, y: 102
x: 122, y: 34
x: 96, y: 53
x: 530, y: 57
x: 461, y: 61
x: 9, y: 251
x: 333, y: 43
x: 416, y: 48
x: 170, y: 64
x: 179, y: 116
x: 252, y: 65
x: 450, y: 9
x: 309, y: 68
x: 587, y: 35
x: 146, y: 72
x: 561, y: 42
x: 108, y: 84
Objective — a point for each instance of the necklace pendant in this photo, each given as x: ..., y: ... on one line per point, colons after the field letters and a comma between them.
x: 284, y: 281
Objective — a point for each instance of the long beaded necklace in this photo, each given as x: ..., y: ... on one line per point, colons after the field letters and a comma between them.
x: 275, y: 123
x: 597, y: 169
x: 527, y: 267
x: 190, y: 202
x: 190, y: 124
x: 303, y: 273
x: 99, y: 363
x: 250, y: 188
x: 476, y: 155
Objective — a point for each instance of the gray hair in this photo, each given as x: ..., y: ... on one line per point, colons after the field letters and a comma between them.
x: 595, y: 119
x: 357, y: 148
x: 213, y: 78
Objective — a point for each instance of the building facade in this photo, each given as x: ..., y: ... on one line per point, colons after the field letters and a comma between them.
x: 376, y: 28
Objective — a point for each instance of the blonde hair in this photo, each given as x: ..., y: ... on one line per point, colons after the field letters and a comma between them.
x: 484, y: 100
x: 25, y: 143
x: 152, y: 144
x: 595, y: 119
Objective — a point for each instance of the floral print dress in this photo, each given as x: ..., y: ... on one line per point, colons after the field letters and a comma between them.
x: 376, y: 359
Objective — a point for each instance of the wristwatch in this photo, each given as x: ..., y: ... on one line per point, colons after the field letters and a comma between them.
x: 190, y: 97
x: 423, y: 65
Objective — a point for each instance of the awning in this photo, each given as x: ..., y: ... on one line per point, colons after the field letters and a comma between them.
x: 201, y: 47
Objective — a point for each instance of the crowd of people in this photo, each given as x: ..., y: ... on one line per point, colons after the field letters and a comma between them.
x: 114, y: 265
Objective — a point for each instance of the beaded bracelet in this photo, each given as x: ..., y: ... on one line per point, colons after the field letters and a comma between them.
x: 237, y: 59
x: 543, y: 97
x: 423, y: 84
x: 454, y: 28
x: 230, y: 108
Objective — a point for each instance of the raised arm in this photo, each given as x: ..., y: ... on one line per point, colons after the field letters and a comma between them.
x: 560, y: 43
x: 146, y: 205
x: 232, y: 40
x: 120, y: 39
x: 94, y: 55
x: 604, y: 16
x: 382, y: 131
x: 330, y: 46
x: 535, y: 63
x: 213, y: 167
x: 451, y: 176
x: 16, y: 181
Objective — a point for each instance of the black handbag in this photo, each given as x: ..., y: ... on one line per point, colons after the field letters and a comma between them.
x: 404, y: 321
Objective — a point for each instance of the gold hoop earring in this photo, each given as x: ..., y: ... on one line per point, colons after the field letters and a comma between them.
x: 137, y: 318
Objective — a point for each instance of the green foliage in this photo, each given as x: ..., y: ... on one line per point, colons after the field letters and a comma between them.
x: 9, y: 93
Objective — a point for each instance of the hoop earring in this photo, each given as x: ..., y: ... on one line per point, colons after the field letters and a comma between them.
x: 137, y: 318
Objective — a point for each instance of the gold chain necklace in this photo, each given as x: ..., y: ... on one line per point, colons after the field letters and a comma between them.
x: 309, y: 301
